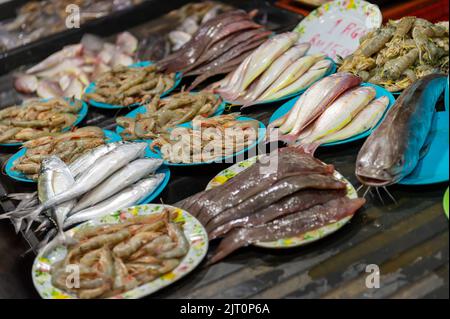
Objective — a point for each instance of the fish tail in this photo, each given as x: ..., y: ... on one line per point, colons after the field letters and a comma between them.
x: 235, y: 240
x: 200, y: 79
x: 308, y: 148
x: 32, y: 216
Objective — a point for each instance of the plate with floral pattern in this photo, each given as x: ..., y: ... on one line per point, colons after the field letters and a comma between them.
x: 193, y: 230
x: 335, y: 27
x: 301, y: 239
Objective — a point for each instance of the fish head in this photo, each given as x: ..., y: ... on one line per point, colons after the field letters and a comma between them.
x: 383, y: 161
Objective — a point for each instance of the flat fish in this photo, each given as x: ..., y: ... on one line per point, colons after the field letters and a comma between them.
x: 289, y: 226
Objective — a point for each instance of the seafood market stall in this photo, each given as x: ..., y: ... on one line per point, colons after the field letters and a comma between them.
x: 319, y: 226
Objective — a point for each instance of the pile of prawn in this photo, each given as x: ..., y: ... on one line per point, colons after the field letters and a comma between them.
x: 126, y: 86
x: 37, y: 118
x: 209, y: 139
x: 163, y: 114
x: 115, y: 258
x: 67, y: 146
x: 401, y: 52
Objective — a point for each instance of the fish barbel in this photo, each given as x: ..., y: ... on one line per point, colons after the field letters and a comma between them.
x: 291, y: 74
x: 314, y: 101
x: 284, y: 62
x: 317, y: 71
x: 128, y: 197
x: 289, y: 226
x: 339, y: 114
x: 264, y: 56
x: 393, y: 150
x: 363, y: 121
x: 125, y: 177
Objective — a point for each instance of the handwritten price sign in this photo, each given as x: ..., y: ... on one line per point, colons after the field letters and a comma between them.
x: 335, y: 28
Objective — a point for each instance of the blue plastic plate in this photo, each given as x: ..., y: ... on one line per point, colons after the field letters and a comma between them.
x: 110, y: 138
x: 141, y: 110
x: 81, y: 115
x: 285, y: 108
x: 433, y: 167
x: 261, y: 136
x: 91, y: 89
x: 332, y: 70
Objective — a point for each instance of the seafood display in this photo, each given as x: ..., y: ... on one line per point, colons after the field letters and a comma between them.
x: 162, y: 114
x: 297, y: 195
x: 37, y: 118
x: 400, y: 52
x: 126, y: 86
x: 217, y: 47
x: 334, y: 108
x: 115, y: 258
x: 66, y: 146
x: 278, y: 68
x: 69, y: 71
x: 396, y: 146
x: 110, y: 177
x: 38, y: 19
x: 209, y: 139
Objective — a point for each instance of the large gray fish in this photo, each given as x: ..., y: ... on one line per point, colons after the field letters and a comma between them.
x: 393, y: 150
x: 123, y: 178
x: 291, y: 225
x: 86, y: 160
x: 128, y: 197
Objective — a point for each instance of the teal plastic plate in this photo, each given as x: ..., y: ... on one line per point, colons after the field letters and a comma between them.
x: 285, y: 108
x: 261, y: 136
x: 81, y: 115
x: 91, y: 89
x: 433, y: 167
x: 110, y: 138
x: 332, y: 70
x: 141, y: 110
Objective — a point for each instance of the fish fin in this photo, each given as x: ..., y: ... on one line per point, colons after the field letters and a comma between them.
x: 308, y: 148
x: 233, y: 241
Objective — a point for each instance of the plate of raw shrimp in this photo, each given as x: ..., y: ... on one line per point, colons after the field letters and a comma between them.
x: 80, y: 115
x: 10, y: 170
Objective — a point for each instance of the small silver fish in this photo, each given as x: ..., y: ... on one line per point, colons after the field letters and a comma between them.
x: 128, y: 197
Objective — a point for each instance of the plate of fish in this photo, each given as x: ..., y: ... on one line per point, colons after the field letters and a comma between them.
x: 278, y: 69
x: 336, y: 27
x: 36, y: 118
x: 24, y: 165
x: 300, y: 239
x: 148, y: 121
x: 172, y: 243
x: 208, y: 140
x: 410, y: 146
x: 352, y: 114
x: 130, y: 86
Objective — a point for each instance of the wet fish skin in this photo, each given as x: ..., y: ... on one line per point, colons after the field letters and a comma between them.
x: 301, y: 200
x: 263, y: 57
x: 127, y: 197
x: 317, y: 71
x: 339, y: 113
x: 126, y: 176
x: 99, y: 171
x: 294, y: 72
x: 291, y: 225
x: 86, y: 160
x: 393, y: 150
x: 314, y: 101
x: 281, y: 64
x: 363, y: 121
x: 282, y: 188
